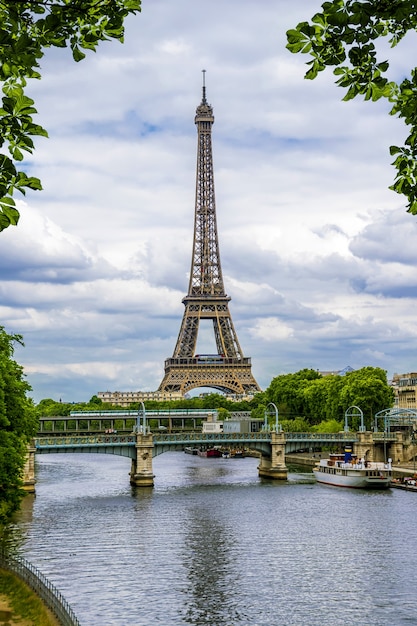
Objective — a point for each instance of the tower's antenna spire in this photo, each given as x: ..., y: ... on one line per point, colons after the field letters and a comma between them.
x: 204, y: 101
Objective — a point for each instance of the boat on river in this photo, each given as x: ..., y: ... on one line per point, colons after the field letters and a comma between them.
x: 232, y: 453
x: 345, y: 470
x: 210, y: 452
x: 409, y: 483
x: 190, y: 450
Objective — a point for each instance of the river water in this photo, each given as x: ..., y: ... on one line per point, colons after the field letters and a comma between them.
x: 213, y: 543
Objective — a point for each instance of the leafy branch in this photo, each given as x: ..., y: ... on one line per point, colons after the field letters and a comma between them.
x: 27, y: 28
x: 343, y: 35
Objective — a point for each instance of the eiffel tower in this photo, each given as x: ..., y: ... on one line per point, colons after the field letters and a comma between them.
x: 228, y: 370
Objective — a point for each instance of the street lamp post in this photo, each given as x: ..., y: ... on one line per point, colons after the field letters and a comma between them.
x: 277, y: 426
x: 265, y: 426
x: 354, y: 411
x: 142, y: 428
x: 144, y: 425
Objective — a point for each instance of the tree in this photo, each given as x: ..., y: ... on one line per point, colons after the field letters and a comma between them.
x: 287, y: 392
x: 343, y: 35
x: 315, y: 396
x: 18, y: 423
x: 328, y: 426
x: 27, y: 28
x: 297, y: 425
x: 367, y: 389
x: 94, y: 400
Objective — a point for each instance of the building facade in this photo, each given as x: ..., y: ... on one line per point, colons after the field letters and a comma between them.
x: 405, y: 389
x: 126, y: 398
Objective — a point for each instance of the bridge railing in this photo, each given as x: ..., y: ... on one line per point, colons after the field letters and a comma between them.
x: 321, y: 436
x: 384, y: 436
x: 42, y: 587
x: 179, y: 437
x: 261, y: 435
x: 189, y: 437
x: 150, y: 413
x: 95, y: 440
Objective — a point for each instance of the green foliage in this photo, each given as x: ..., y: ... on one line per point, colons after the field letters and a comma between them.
x: 323, y: 400
x: 367, y: 389
x: 18, y: 423
x: 297, y: 425
x: 27, y: 29
x: 96, y: 401
x: 328, y: 426
x: 287, y: 392
x: 27, y: 607
x: 12, y: 458
x: 343, y: 35
x: 306, y: 400
x: 223, y: 414
x: 53, y: 408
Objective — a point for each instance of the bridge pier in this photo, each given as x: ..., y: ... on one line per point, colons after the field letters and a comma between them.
x: 372, y: 448
x: 141, y: 474
x: 364, y: 447
x: 29, y: 470
x: 398, y: 449
x: 274, y: 466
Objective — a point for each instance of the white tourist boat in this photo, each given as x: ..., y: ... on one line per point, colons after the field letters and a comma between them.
x: 345, y: 470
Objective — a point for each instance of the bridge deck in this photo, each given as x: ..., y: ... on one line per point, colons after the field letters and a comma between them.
x: 166, y: 439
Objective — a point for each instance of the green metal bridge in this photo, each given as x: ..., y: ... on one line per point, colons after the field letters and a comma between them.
x: 271, y: 445
x: 125, y: 444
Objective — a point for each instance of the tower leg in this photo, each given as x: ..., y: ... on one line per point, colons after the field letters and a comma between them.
x: 274, y: 466
x: 141, y: 474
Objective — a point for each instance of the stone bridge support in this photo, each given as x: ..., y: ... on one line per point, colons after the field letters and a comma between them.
x: 29, y: 470
x: 397, y: 449
x: 141, y: 474
x: 374, y: 449
x: 364, y: 447
x: 274, y: 466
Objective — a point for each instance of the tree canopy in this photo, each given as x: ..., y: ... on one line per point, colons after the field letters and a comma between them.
x: 343, y: 36
x: 18, y: 423
x: 322, y: 399
x: 27, y: 29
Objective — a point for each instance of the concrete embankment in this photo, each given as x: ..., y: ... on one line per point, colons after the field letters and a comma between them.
x: 303, y: 460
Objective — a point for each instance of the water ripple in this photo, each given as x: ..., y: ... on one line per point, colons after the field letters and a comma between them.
x: 214, y: 544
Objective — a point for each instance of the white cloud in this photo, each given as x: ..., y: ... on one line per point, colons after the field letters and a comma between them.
x: 317, y: 254
x: 271, y: 329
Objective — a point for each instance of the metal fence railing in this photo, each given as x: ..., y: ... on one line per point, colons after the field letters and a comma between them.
x: 43, y: 588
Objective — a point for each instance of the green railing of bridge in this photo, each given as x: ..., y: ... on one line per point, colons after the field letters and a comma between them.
x: 384, y: 436
x: 149, y: 413
x: 87, y: 440
x: 259, y: 436
x: 167, y: 438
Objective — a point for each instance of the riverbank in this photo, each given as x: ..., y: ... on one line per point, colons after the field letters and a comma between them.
x: 20, y: 606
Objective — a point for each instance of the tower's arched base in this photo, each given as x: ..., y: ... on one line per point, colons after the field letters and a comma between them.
x: 229, y: 375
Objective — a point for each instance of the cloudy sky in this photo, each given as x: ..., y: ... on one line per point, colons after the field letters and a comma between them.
x: 318, y: 255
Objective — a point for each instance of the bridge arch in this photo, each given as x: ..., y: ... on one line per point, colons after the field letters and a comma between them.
x: 354, y: 411
x: 395, y: 415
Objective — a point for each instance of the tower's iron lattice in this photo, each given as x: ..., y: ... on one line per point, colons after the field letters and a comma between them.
x: 228, y: 370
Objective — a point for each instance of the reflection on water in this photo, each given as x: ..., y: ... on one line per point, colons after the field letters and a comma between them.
x: 208, y: 554
x: 214, y: 544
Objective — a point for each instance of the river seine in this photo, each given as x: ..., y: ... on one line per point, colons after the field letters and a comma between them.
x: 214, y: 544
